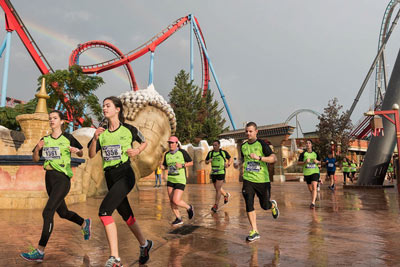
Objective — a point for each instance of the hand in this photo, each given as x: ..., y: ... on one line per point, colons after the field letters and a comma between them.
x: 315, y: 161
x: 254, y: 156
x: 73, y: 149
x: 308, y: 160
x: 178, y: 165
x: 133, y: 152
x: 98, y: 132
x: 40, y: 145
x: 226, y: 165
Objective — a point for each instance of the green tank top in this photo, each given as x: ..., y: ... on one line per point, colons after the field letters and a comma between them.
x: 57, y: 154
x: 353, y: 167
x: 345, y: 167
x: 255, y: 171
x: 311, y: 167
x: 114, y: 146
x: 217, y: 162
x: 177, y: 176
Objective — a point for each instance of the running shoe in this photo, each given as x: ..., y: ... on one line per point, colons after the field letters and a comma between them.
x: 86, y: 231
x: 312, y: 206
x: 190, y: 212
x: 113, y: 262
x: 144, y: 252
x: 33, y: 255
x: 226, y: 197
x: 177, y: 222
x: 275, y: 210
x: 214, y: 208
x: 253, y: 235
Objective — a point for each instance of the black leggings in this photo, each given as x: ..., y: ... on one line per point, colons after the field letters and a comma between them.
x: 120, y: 182
x: 57, y: 187
x: 263, y: 191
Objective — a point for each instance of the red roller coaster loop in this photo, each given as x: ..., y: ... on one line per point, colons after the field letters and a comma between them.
x: 149, y: 46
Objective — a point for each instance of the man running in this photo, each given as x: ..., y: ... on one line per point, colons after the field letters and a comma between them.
x: 309, y: 159
x: 220, y: 160
x: 255, y: 154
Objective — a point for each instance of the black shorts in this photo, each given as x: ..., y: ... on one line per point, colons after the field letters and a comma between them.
x: 330, y: 173
x: 311, y: 178
x: 176, y: 185
x: 263, y: 192
x: 219, y: 177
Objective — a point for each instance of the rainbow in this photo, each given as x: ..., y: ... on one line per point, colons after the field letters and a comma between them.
x: 68, y: 43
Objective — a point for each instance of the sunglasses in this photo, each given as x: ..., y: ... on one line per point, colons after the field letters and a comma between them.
x: 171, y: 142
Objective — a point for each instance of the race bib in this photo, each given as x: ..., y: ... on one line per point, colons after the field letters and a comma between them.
x: 173, y: 170
x: 330, y: 165
x: 50, y: 153
x: 310, y: 166
x: 111, y: 152
x: 253, y: 166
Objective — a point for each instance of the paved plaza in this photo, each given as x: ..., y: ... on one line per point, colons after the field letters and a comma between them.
x: 350, y: 227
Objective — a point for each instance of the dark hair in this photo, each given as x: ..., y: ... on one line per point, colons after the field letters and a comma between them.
x: 217, y: 142
x: 60, y: 114
x: 251, y: 124
x: 118, y: 104
x: 309, y: 140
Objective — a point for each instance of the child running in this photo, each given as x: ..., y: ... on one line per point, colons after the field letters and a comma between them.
x: 330, y: 162
x: 220, y: 160
x: 255, y: 154
x: 115, y: 143
x: 56, y: 149
x: 175, y: 162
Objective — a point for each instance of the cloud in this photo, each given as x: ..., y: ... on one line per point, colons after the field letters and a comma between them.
x: 78, y: 15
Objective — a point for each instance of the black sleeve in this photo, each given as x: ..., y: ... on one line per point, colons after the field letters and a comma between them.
x: 136, y: 134
x: 208, y: 155
x: 40, y: 151
x: 98, y: 147
x: 301, y: 157
x: 241, y: 153
x: 227, y: 154
x: 318, y: 157
x: 186, y: 156
x: 265, y: 148
x: 73, y: 141
x: 165, y: 160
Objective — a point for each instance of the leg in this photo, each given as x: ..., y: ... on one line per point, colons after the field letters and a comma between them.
x: 248, y: 195
x: 174, y: 207
x: 177, y: 199
x: 218, y: 190
x: 313, y: 191
x: 57, y: 186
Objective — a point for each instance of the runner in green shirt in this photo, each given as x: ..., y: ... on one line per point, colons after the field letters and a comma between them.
x: 220, y: 160
x: 309, y: 159
x: 255, y: 155
x: 175, y: 162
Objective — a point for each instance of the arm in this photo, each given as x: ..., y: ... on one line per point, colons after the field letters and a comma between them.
x: 77, y: 151
x: 136, y: 151
x: 35, y: 155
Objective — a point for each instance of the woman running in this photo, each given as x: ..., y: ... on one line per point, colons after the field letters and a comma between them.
x: 115, y: 143
x: 56, y: 149
x: 175, y: 162
x: 330, y: 162
x: 309, y: 159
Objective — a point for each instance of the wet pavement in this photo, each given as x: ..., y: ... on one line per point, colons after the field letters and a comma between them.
x: 350, y: 227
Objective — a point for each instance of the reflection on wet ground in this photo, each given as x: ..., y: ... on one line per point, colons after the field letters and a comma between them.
x: 357, y: 227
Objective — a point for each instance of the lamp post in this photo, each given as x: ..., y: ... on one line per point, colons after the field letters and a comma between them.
x: 396, y: 122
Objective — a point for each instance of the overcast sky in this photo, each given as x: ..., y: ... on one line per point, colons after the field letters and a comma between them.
x: 271, y: 57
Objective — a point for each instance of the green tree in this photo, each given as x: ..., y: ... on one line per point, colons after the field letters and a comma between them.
x: 8, y: 115
x: 335, y: 126
x: 196, y: 116
x: 78, y: 88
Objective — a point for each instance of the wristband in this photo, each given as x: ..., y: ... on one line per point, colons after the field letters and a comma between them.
x: 260, y: 158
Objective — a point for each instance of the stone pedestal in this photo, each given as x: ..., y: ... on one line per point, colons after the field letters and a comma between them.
x: 34, y: 126
x: 279, y: 178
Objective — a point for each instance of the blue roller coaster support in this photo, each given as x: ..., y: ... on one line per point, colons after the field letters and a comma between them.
x: 215, y: 76
x: 7, y: 45
x: 151, y: 68
x: 191, y: 47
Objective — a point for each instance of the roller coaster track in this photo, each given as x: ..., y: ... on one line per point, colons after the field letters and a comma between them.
x: 149, y: 46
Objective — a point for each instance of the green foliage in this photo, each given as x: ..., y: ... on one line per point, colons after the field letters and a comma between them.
x: 335, y: 126
x: 78, y: 88
x: 8, y: 115
x: 197, y: 116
